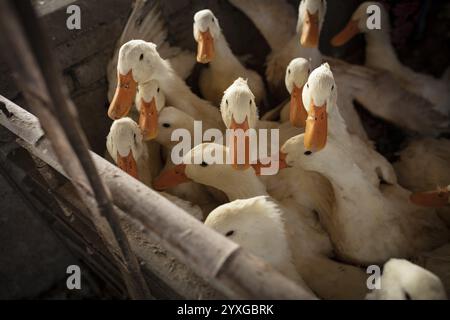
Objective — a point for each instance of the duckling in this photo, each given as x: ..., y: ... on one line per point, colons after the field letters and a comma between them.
x: 223, y: 67
x: 403, y: 280
x: 147, y: 23
x: 380, y: 54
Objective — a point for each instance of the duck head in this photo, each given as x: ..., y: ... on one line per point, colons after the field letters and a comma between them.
x: 169, y: 120
x: 239, y: 113
x: 297, y: 74
x: 138, y: 63
x: 125, y: 145
x: 206, y: 30
x: 311, y: 14
x: 207, y: 164
x: 257, y: 225
x: 319, y: 95
x: 358, y: 23
x: 403, y: 280
x: 432, y: 199
x: 149, y: 101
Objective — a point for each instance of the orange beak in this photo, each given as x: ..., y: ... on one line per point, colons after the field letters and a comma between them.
x: 350, y: 30
x: 310, y: 31
x: 205, y: 49
x: 171, y: 178
x: 124, y: 96
x: 433, y: 199
x: 240, y: 145
x: 128, y: 164
x: 316, y: 128
x: 148, y: 119
x: 297, y: 114
x: 281, y: 164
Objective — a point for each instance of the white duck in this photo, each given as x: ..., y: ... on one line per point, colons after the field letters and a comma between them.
x: 380, y: 54
x: 171, y: 120
x: 276, y: 22
x: 403, y: 280
x: 369, y: 204
x: 240, y: 112
x: 257, y: 225
x: 310, y: 245
x: 223, y: 67
x: 297, y: 73
x: 147, y: 23
x: 140, y: 62
x: 126, y: 147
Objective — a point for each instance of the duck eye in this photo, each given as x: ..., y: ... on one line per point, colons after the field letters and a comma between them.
x: 229, y: 233
x: 289, y: 71
x: 307, y: 153
x: 157, y: 90
x: 204, y: 164
x: 332, y: 87
x: 307, y: 85
x: 226, y: 101
x: 250, y: 102
x: 141, y: 57
x: 166, y: 125
x: 212, y: 19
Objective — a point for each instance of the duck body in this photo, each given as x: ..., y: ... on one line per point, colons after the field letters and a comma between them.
x: 370, y: 222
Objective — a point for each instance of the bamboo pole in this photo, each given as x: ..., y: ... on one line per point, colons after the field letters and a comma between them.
x: 213, y: 257
x: 30, y: 58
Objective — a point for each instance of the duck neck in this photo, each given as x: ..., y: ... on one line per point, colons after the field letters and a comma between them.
x: 224, y: 59
x: 337, y: 126
x: 180, y: 95
x: 143, y: 164
x: 241, y: 186
x: 380, y: 53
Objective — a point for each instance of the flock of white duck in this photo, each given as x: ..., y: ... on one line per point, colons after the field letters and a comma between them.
x: 337, y: 206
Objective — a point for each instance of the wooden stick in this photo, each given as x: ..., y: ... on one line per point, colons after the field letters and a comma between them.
x: 213, y: 257
x: 42, y: 86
